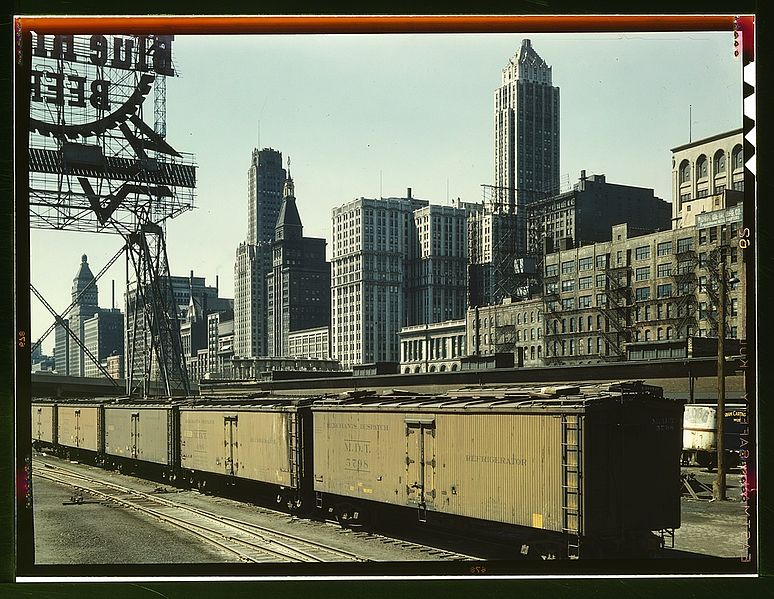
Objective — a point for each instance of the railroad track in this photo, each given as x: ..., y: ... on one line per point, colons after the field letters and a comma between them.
x: 247, y: 541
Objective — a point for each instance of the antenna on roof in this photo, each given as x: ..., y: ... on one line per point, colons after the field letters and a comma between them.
x: 690, y: 122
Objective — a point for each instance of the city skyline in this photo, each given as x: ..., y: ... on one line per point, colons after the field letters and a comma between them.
x: 421, y: 119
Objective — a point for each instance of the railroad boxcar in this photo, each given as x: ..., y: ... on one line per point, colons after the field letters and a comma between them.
x: 598, y: 468
x: 261, y: 442
x: 44, y: 428
x: 700, y: 434
x: 80, y: 427
x: 142, y: 437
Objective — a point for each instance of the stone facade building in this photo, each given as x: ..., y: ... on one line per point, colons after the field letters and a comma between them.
x: 299, y: 285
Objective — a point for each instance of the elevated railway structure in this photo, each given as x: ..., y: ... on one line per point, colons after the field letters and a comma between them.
x: 693, y: 379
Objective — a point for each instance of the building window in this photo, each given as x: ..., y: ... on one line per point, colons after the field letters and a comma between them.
x: 685, y: 171
x: 659, y: 333
x: 642, y: 293
x: 584, y: 301
x: 642, y: 252
x: 600, y: 282
x: 734, y: 332
x: 585, y: 263
x: 701, y: 167
x: 642, y: 274
x: 719, y: 162
x: 568, y: 285
x: 702, y: 236
x: 602, y: 260
x: 601, y: 299
x: 684, y: 245
x: 568, y: 267
x: 664, y: 248
x: 737, y: 157
x: 734, y: 307
x: 552, y: 270
x: 665, y: 270
x: 585, y: 283
x: 713, y: 234
x: 568, y: 304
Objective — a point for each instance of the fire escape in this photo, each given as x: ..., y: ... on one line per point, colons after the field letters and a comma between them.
x: 685, y: 288
x: 617, y: 310
x: 552, y: 316
x: 711, y: 266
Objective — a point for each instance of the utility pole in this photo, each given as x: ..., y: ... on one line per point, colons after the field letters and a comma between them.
x: 719, y: 486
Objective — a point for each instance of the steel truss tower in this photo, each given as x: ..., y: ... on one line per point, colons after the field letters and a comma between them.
x: 96, y: 166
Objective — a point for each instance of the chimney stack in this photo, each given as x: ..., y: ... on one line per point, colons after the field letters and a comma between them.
x: 408, y: 193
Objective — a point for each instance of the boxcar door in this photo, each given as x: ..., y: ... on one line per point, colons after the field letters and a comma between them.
x: 134, y: 434
x: 77, y: 428
x: 38, y: 423
x: 231, y: 444
x: 420, y: 460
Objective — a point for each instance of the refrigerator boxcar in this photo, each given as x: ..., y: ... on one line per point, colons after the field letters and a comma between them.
x: 142, y: 436
x: 44, y: 429
x: 261, y: 442
x: 80, y: 428
x: 564, y: 464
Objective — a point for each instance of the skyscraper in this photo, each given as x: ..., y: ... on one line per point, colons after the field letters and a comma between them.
x: 266, y: 179
x: 299, y: 286
x: 396, y: 261
x: 526, y: 144
x: 100, y: 330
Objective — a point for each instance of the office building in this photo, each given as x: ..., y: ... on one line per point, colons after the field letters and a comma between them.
x: 436, y: 278
x: 299, y: 285
x: 585, y: 214
x: 703, y: 168
x: 637, y: 288
x: 266, y: 180
x: 437, y: 347
x: 510, y: 327
x: 526, y: 129
x: 97, y: 329
x: 310, y: 343
x: 371, y: 240
x: 396, y: 262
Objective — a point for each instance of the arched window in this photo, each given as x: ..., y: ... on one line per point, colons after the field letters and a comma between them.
x: 647, y: 334
x: 432, y: 369
x: 701, y: 167
x: 454, y: 367
x: 416, y: 370
x: 737, y: 158
x: 719, y: 162
x: 408, y: 370
x: 442, y: 368
x: 685, y: 171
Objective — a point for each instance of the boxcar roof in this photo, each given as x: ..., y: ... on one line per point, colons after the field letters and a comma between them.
x: 522, y: 397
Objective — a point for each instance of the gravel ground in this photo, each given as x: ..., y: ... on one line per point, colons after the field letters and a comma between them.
x: 714, y: 528
x: 67, y: 535
x: 97, y: 533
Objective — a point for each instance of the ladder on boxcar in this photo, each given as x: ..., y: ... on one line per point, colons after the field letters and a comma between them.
x: 294, y: 449
x: 572, y: 500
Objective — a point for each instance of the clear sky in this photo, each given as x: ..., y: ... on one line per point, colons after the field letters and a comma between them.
x: 370, y: 115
